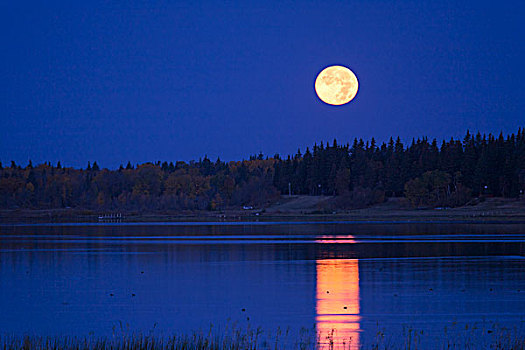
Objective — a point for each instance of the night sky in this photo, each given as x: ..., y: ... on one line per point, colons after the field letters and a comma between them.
x: 152, y: 80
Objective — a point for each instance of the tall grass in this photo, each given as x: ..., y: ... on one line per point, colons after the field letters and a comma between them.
x: 498, y: 338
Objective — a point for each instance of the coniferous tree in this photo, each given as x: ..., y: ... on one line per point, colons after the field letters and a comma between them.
x: 476, y: 165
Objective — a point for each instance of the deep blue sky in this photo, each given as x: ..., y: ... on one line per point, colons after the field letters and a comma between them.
x: 146, y: 81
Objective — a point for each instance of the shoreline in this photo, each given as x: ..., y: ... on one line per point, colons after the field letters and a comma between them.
x: 463, y: 215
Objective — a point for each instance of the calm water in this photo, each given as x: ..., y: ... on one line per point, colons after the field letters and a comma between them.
x: 355, y: 278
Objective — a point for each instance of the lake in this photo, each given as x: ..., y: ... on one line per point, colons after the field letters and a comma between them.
x: 369, y: 282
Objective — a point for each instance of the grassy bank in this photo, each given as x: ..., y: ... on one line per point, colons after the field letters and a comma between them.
x: 493, y: 210
x: 469, y: 338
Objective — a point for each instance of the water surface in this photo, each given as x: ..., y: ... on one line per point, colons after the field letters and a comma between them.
x: 356, y: 279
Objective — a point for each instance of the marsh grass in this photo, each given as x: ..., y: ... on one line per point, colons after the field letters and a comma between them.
x: 231, y: 338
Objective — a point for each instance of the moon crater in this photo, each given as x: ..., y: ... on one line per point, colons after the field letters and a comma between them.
x: 336, y: 85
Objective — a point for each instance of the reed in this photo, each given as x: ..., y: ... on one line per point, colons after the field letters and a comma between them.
x: 251, y: 339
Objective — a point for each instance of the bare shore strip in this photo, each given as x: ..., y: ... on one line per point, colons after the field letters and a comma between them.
x: 294, y: 208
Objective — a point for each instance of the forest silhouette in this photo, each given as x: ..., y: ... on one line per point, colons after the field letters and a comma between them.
x: 358, y: 175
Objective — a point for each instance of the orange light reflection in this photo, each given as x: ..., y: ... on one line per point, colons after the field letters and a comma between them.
x: 337, y: 305
x: 335, y: 239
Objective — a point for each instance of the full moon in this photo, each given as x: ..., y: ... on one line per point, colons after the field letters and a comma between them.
x: 336, y: 85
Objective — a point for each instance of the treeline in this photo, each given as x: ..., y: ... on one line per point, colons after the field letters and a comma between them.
x: 358, y: 175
